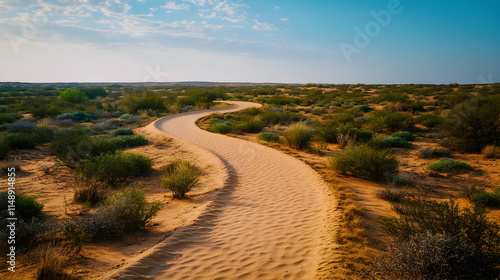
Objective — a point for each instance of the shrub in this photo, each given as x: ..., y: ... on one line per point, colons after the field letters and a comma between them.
x: 363, y: 108
x: 133, y: 140
x: 44, y: 135
x: 269, y: 137
x: 433, y: 256
x: 398, y: 181
x: 21, y: 140
x: 123, y: 131
x: 491, y: 152
x: 470, y: 225
x: 346, y: 140
x: 113, y: 168
x: 107, y: 125
x: 126, y: 211
x: 430, y: 120
x: 180, y: 177
x: 486, y: 198
x: 222, y: 127
x: 392, y: 195
x: 90, y: 190
x: 365, y: 162
x: 8, y: 117
x: 133, y: 120
x: 254, y: 125
x: 72, y: 95
x: 405, y: 135
x: 391, y: 121
x: 433, y: 152
x: 27, y: 207
x: 80, y: 116
x: 105, y: 144
x: 474, y: 124
x: 22, y: 126
x: 377, y: 142
x: 70, y: 145
x: 449, y: 165
x: 396, y: 142
x: 4, y: 146
x: 298, y: 136
x: 143, y: 101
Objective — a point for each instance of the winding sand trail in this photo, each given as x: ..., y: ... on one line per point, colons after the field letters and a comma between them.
x: 273, y: 219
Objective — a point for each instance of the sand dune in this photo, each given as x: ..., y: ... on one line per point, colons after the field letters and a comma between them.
x: 274, y: 218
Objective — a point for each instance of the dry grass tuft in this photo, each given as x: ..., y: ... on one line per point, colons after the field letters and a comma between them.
x: 162, y: 142
x: 52, y: 261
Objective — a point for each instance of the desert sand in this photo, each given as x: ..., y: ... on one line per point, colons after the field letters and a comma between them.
x: 274, y: 218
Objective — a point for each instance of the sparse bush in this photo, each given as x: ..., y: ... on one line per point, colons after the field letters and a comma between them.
x: 485, y: 198
x: 365, y: 162
x: 113, y: 168
x: 52, y: 262
x: 377, y: 142
x: 8, y: 117
x: 21, y: 140
x: 44, y: 135
x: 222, y: 127
x: 392, y: 195
x: 469, y: 224
x: 405, y: 135
x: 143, y: 101
x: 126, y: 211
x: 107, y: 125
x: 391, y: 121
x: 491, y: 152
x: 253, y: 125
x: 269, y: 137
x: 298, y: 136
x: 448, y: 165
x: 123, y: 131
x: 80, y: 116
x: 180, y: 177
x: 398, y: 181
x: 133, y: 120
x: 90, y: 190
x: 346, y: 140
x: 363, y: 108
x: 433, y: 256
x: 396, y: 142
x: 433, y: 152
x: 22, y: 126
x: 73, y: 95
x: 133, y: 140
x: 430, y: 120
x: 474, y: 124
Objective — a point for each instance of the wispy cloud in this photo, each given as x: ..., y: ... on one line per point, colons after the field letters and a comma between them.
x: 263, y: 26
x: 174, y: 6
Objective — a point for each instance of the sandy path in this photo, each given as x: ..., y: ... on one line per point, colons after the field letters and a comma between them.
x: 273, y: 219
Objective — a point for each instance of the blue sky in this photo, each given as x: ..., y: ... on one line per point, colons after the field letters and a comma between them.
x: 336, y: 41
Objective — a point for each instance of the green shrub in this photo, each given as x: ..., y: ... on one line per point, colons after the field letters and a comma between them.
x: 396, y: 142
x: 123, y: 131
x: 398, y: 181
x: 391, y: 121
x: 405, y: 135
x: 126, y: 211
x: 80, y: 116
x: 133, y: 140
x: 137, y: 210
x: 8, y: 117
x: 180, y: 177
x: 470, y: 225
x: 298, y: 136
x: 365, y: 162
x: 377, y: 142
x: 27, y: 207
x: 113, y: 168
x: 142, y: 101
x: 44, y: 135
x: 363, y: 108
x: 486, y: 198
x: 222, y: 127
x: 254, y: 125
x: 73, y: 95
x: 430, y: 120
x: 105, y: 144
x: 71, y: 145
x: 474, y: 124
x: 449, y: 165
x: 21, y: 140
x: 433, y: 256
x: 269, y: 137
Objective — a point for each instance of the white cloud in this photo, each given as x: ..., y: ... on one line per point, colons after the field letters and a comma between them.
x: 262, y: 26
x: 277, y: 7
x: 174, y: 6
x: 285, y: 19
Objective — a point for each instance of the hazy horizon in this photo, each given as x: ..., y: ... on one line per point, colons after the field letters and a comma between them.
x: 336, y: 42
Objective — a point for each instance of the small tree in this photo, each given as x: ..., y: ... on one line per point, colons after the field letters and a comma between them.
x: 73, y: 95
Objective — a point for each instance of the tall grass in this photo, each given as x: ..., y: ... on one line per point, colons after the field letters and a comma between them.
x: 298, y: 136
x: 180, y: 177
